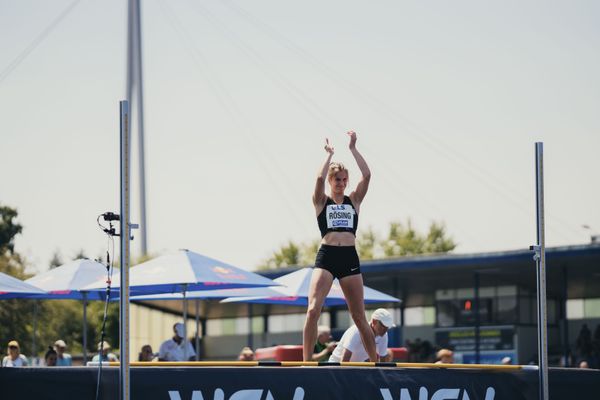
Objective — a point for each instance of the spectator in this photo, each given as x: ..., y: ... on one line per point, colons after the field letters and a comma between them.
x: 14, y: 357
x: 246, y: 354
x: 146, y: 354
x: 584, y: 364
x: 50, y: 358
x: 103, y: 348
x: 445, y: 356
x: 566, y: 361
x: 176, y: 348
x: 351, y: 348
x: 420, y: 350
x: 584, y: 342
x: 426, y: 351
x: 325, y: 344
x: 506, y: 361
x: 63, y: 359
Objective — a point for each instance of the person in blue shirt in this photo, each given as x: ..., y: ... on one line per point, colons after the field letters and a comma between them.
x: 62, y: 359
x: 106, y: 355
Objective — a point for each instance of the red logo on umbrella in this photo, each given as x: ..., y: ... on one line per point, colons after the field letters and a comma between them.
x: 222, y: 270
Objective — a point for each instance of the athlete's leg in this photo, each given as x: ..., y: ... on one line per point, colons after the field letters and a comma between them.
x: 353, y: 289
x: 320, y: 284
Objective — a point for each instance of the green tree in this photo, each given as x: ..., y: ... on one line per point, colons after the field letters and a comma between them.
x: 366, y: 244
x: 287, y: 255
x: 48, y: 320
x: 308, y: 252
x: 8, y: 228
x: 15, y: 314
x: 404, y: 240
x: 56, y: 260
x: 80, y: 254
x: 437, y: 240
x: 291, y: 254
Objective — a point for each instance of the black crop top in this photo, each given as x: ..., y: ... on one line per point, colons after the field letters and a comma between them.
x: 338, y: 217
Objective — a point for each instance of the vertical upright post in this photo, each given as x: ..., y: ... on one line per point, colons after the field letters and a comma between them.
x: 33, y: 345
x: 265, y: 332
x: 477, y: 310
x: 84, y: 295
x: 540, y: 259
x: 204, y: 334
x: 250, y: 333
x: 125, y: 234
x: 564, y: 316
x: 184, y: 341
x: 197, y: 329
x: 333, y: 320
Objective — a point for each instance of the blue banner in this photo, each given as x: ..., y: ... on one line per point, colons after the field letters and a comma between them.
x: 294, y: 383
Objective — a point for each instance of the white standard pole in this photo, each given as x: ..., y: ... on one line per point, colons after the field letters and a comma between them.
x: 185, y: 304
x: 84, y: 328
x: 124, y: 382
x: 540, y: 259
x: 197, y: 329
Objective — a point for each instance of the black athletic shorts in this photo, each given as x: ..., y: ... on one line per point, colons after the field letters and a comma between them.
x: 341, y: 261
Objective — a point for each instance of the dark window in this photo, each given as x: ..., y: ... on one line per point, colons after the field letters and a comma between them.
x: 462, y: 312
x: 506, y: 310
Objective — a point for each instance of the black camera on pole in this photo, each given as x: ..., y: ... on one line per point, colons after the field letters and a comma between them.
x: 109, y: 216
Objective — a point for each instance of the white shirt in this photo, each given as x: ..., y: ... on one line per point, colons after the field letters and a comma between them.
x: 351, y: 341
x: 171, y: 351
x: 21, y: 361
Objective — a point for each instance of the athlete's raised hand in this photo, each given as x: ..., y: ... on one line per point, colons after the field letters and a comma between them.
x: 352, y: 135
x: 328, y: 146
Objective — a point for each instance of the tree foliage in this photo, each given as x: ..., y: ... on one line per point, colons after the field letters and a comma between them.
x: 56, y: 260
x: 8, y: 228
x: 291, y: 254
x: 48, y: 320
x: 402, y: 240
x: 366, y: 244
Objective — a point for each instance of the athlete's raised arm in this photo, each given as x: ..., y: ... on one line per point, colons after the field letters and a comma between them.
x: 359, y: 193
x: 319, y: 196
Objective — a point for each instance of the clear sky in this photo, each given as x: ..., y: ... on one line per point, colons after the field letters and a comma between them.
x: 447, y: 98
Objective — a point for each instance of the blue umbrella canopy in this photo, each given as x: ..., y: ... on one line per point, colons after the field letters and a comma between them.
x: 185, y: 271
x: 69, y: 280
x: 11, y: 287
x: 293, y: 291
x: 209, y: 294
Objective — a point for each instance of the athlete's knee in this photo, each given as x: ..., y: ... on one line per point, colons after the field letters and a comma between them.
x: 313, y: 312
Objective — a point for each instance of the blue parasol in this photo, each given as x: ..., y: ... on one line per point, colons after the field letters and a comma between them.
x: 68, y: 282
x: 295, y: 292
x: 185, y: 271
x: 11, y: 287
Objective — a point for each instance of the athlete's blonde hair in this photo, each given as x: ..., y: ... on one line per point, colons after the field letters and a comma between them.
x: 336, y: 167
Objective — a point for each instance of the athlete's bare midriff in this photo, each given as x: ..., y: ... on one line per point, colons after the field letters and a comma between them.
x: 339, y: 239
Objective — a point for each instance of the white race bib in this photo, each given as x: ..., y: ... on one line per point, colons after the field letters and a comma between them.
x: 340, y: 216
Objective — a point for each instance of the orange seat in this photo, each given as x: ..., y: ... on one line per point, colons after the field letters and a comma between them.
x: 280, y: 353
x: 399, y: 354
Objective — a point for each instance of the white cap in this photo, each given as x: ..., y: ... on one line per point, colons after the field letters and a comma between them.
x: 382, y: 315
x: 103, y: 346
